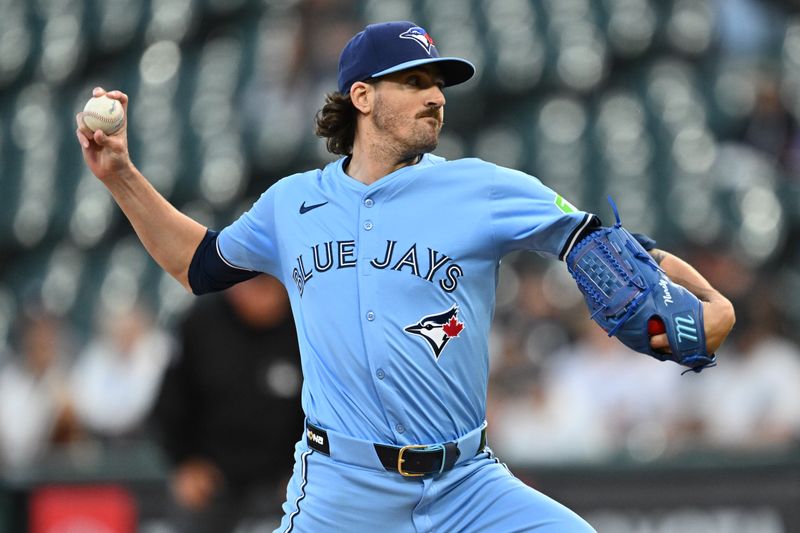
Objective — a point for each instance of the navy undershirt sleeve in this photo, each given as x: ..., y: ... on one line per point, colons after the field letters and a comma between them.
x: 209, y: 272
x: 646, y: 241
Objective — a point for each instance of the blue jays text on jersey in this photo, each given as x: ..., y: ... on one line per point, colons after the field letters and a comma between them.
x: 392, y: 285
x: 341, y: 254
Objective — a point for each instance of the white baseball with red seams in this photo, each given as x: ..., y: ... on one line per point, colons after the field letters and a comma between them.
x: 103, y: 113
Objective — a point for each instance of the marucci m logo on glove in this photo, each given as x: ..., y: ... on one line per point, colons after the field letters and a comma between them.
x: 685, y: 327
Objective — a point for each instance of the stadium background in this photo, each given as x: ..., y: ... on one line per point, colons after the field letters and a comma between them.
x: 684, y: 111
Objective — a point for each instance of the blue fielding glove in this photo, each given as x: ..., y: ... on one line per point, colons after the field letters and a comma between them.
x: 625, y: 289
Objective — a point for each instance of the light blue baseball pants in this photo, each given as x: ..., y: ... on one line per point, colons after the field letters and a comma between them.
x: 478, y: 495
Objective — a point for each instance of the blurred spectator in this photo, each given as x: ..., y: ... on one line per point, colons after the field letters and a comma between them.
x: 229, y: 409
x: 299, y: 55
x: 752, y: 401
x: 588, y: 401
x: 746, y: 27
x: 534, y: 419
x: 325, y: 27
x: 36, y: 410
x: 771, y: 127
x: 531, y: 327
x: 117, y: 376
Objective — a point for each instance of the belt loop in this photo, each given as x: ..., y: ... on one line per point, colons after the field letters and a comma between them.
x: 451, y: 455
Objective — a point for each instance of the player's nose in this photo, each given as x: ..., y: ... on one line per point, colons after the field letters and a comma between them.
x: 435, y: 97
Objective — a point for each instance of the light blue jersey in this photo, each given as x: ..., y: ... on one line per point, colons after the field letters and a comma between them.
x: 393, y: 285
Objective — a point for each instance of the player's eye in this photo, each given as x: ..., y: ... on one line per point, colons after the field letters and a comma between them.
x: 424, y: 82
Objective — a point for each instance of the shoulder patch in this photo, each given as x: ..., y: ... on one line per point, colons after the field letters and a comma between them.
x: 564, y: 205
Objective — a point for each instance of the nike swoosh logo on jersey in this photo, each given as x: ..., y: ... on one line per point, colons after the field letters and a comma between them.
x: 306, y: 208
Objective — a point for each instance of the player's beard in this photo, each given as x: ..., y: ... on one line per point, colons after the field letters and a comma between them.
x: 421, y: 139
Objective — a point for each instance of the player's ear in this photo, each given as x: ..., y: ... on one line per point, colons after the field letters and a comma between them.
x: 362, y: 95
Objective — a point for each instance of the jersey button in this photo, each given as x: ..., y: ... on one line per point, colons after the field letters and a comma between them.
x: 380, y: 373
x: 368, y: 202
x: 370, y: 316
x: 368, y: 225
x: 400, y: 428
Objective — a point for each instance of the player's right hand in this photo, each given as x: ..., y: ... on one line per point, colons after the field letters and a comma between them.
x: 106, y: 155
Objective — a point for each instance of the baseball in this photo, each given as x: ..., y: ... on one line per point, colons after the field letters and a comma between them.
x: 655, y: 327
x: 103, y: 113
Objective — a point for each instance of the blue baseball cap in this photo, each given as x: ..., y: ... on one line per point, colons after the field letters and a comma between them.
x: 388, y: 47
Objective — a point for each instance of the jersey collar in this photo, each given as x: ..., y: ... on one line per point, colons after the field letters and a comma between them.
x: 337, y: 168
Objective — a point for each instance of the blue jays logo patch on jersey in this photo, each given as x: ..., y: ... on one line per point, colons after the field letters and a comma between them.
x: 438, y: 329
x: 420, y: 36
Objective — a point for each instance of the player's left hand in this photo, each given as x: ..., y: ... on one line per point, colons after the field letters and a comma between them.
x: 719, y: 318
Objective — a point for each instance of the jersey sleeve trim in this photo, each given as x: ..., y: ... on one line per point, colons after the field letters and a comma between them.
x: 588, y: 223
x: 222, y: 257
x: 210, y: 272
x: 647, y: 242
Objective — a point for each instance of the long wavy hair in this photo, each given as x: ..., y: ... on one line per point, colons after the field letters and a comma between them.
x: 336, y: 123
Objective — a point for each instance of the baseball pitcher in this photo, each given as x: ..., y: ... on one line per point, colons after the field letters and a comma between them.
x: 390, y: 255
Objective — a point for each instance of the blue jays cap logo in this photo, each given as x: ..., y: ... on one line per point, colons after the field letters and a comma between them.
x: 437, y: 330
x: 419, y: 36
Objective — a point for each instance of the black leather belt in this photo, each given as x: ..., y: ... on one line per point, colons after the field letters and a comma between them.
x: 412, y: 461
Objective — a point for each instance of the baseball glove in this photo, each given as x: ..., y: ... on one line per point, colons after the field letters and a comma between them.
x: 625, y: 288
